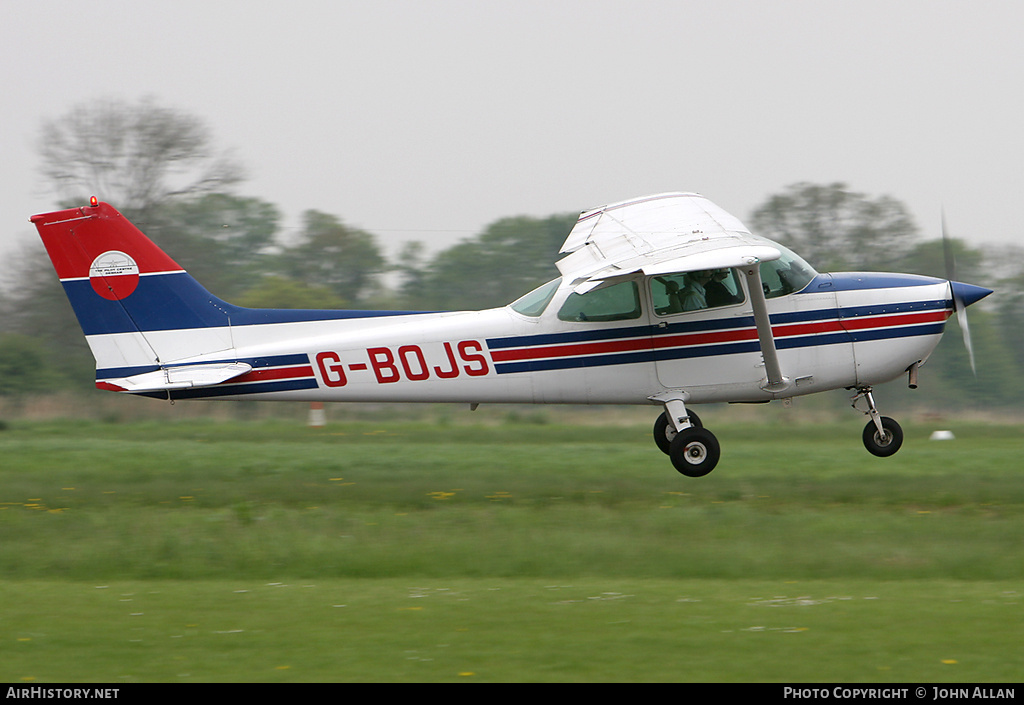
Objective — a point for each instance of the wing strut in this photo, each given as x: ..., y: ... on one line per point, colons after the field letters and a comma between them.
x: 775, y: 381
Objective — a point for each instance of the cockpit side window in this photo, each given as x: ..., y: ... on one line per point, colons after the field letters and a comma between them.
x: 693, y: 291
x: 618, y: 302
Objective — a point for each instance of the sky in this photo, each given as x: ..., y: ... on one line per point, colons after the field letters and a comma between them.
x: 428, y: 119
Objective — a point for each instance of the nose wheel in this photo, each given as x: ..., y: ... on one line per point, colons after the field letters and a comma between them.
x: 883, y: 436
x: 886, y: 441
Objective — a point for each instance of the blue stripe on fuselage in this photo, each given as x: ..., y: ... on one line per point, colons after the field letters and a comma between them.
x: 289, y: 385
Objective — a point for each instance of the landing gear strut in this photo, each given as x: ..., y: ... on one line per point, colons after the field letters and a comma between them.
x: 883, y: 435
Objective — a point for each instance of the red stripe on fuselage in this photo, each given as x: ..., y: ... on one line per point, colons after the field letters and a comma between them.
x: 898, y: 319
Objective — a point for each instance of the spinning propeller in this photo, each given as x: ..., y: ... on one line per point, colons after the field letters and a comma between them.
x: 963, y: 294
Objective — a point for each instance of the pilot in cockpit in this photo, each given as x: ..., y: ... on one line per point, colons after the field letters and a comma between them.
x: 717, y: 293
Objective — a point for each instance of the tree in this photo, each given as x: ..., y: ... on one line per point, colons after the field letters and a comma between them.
x: 281, y: 292
x: 25, y: 366
x: 37, y: 307
x: 133, y: 155
x: 929, y: 258
x: 222, y: 240
x: 1007, y: 267
x: 333, y: 255
x: 511, y: 257
x: 947, y: 376
x: 835, y: 228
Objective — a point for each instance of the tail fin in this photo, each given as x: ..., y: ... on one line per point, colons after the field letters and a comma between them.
x: 132, y: 300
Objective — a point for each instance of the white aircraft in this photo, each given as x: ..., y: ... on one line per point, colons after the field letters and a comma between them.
x: 664, y: 300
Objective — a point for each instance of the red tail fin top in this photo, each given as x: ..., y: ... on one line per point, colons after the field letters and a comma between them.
x: 92, y: 237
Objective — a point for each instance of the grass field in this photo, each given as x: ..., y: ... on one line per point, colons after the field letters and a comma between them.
x: 519, y: 550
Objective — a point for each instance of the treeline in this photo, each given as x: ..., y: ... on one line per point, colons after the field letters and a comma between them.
x: 160, y: 170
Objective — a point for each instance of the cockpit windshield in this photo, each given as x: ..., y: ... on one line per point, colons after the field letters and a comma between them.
x: 534, y: 303
x: 787, y: 274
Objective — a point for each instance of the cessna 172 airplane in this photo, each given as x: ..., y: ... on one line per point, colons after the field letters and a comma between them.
x: 665, y: 299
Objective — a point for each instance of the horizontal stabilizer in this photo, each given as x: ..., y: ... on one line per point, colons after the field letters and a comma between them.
x: 180, y: 377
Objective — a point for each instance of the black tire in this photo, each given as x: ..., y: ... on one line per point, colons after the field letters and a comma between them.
x: 664, y: 432
x: 883, y: 446
x: 695, y: 452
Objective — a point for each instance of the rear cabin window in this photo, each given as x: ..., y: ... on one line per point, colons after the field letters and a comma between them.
x: 618, y: 302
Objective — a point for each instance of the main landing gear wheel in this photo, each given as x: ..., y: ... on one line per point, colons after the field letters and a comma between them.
x: 694, y: 451
x: 883, y: 444
x: 664, y: 432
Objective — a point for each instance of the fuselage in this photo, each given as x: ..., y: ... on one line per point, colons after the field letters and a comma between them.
x: 840, y: 330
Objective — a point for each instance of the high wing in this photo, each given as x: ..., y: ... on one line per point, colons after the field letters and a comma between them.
x: 669, y: 232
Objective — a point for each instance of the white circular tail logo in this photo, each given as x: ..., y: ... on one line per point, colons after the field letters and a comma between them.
x: 114, y: 275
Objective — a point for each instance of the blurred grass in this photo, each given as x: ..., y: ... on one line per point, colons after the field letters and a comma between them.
x: 264, y: 500
x: 196, y: 507
x: 508, y: 630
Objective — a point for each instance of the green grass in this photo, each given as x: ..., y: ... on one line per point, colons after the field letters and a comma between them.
x: 486, y: 630
x: 526, y: 551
